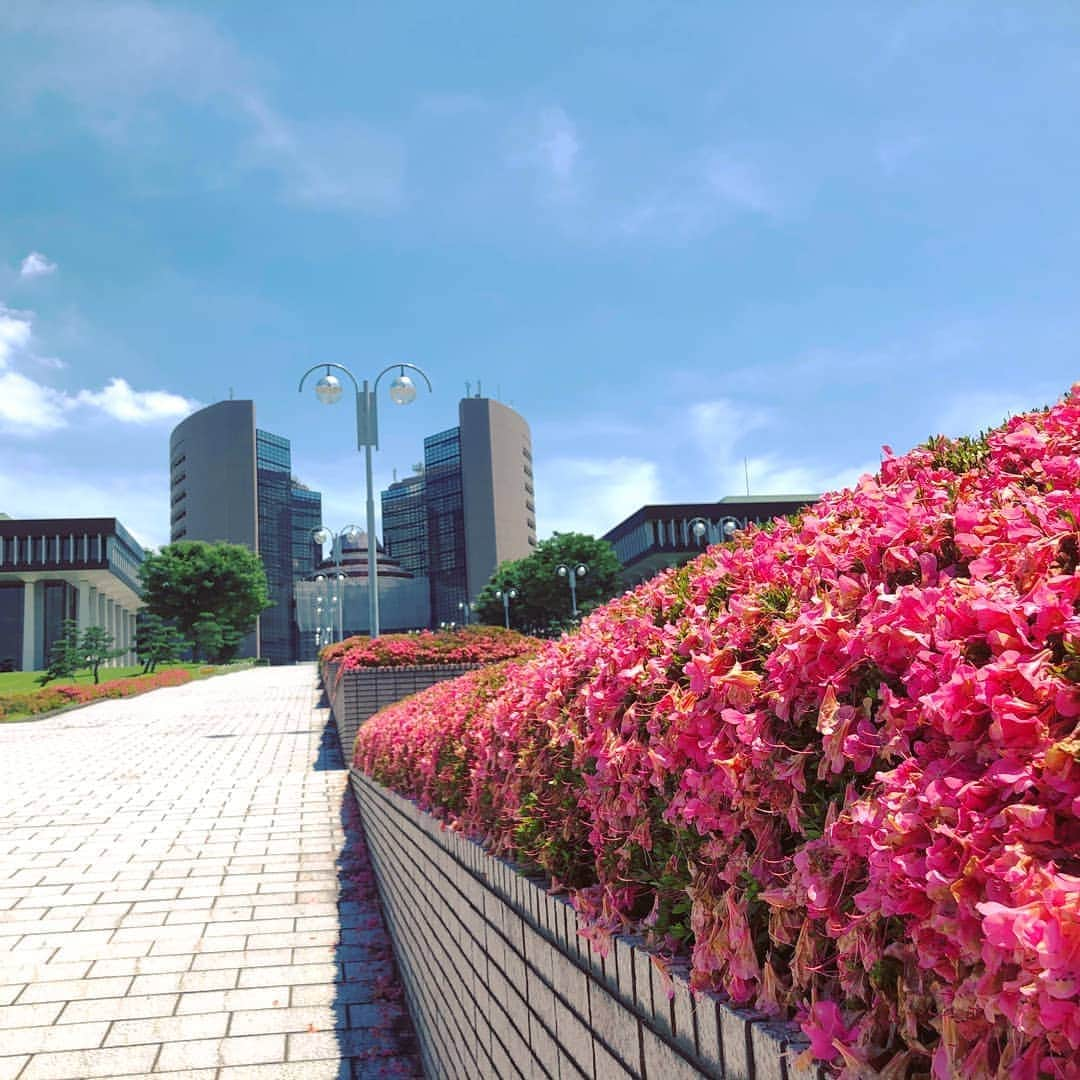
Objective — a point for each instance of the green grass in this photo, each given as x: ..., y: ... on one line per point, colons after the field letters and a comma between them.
x: 19, y: 682
x: 16, y: 682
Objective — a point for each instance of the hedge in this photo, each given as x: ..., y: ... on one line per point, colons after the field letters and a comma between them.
x: 835, y: 764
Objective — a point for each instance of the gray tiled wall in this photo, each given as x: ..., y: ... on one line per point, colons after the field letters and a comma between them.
x: 500, y: 984
x: 360, y: 694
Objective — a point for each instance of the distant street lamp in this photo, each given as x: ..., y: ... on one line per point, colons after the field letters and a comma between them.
x: 322, y: 535
x: 328, y: 390
x: 466, y: 610
x: 701, y: 529
x: 506, y: 595
x: 571, y: 574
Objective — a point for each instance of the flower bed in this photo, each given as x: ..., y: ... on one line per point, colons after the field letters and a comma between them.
x: 466, y: 645
x: 49, y: 698
x: 836, y: 764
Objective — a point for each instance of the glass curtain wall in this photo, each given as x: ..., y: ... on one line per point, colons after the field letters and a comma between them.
x: 273, y: 458
x: 443, y: 496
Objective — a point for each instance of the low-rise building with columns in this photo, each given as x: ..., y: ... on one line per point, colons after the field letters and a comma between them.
x: 52, y: 569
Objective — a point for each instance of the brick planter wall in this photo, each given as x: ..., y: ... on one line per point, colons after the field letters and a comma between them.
x: 363, y: 692
x: 500, y: 984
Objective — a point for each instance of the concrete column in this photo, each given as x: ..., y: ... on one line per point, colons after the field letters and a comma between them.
x: 86, y: 595
x: 29, y: 627
x: 99, y: 615
x: 110, y: 625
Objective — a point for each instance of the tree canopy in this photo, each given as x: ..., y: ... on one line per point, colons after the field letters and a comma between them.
x: 192, y: 579
x: 542, y: 606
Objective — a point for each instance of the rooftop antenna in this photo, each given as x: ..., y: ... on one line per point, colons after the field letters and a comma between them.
x: 746, y: 471
x: 395, y: 474
x: 468, y: 388
x: 478, y: 392
x: 230, y: 393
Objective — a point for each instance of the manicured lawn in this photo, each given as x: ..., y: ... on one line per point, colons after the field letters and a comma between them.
x: 15, y: 682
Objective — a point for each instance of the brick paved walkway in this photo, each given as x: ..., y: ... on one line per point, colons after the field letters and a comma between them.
x: 184, y: 892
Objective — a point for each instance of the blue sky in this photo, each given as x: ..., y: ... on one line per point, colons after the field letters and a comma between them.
x: 672, y: 236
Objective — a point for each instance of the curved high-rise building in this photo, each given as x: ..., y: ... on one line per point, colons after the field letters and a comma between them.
x: 230, y: 481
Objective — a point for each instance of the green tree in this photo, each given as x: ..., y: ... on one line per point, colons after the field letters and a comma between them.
x: 64, y: 658
x: 207, y: 637
x: 96, y: 647
x: 190, y: 579
x: 542, y: 606
x: 157, y: 642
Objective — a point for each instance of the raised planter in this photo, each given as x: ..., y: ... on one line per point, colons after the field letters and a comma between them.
x: 355, y: 695
x: 500, y: 983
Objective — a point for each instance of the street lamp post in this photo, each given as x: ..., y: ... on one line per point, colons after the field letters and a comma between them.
x: 322, y: 535
x: 506, y: 595
x: 571, y: 574
x: 402, y: 391
x: 701, y: 528
x: 465, y: 608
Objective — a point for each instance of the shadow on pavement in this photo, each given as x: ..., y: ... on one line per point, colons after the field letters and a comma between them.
x: 375, y: 1033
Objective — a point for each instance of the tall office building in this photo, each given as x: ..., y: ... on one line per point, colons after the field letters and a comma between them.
x: 471, y: 509
x: 273, y: 460
x: 306, y: 507
x: 230, y: 481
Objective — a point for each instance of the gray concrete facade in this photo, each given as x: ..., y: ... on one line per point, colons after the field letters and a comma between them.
x: 212, y: 475
x: 497, y: 484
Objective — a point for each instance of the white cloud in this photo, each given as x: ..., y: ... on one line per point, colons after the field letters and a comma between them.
x: 980, y: 410
x: 699, y: 194
x: 38, y: 487
x: 737, y: 183
x: 36, y: 265
x: 551, y: 148
x: 118, y: 62
x: 121, y: 402
x: 29, y: 408
x: 592, y: 495
x: 15, y: 328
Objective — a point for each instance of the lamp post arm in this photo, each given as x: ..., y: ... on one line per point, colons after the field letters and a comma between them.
x: 397, y: 367
x: 317, y: 367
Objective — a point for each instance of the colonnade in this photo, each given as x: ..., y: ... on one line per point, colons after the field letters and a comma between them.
x: 93, y: 608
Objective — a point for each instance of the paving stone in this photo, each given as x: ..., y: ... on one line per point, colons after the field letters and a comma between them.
x: 176, y: 884
x: 87, y: 1064
x: 128, y: 1008
x: 74, y: 990
x: 34, y: 1040
x: 208, y: 1053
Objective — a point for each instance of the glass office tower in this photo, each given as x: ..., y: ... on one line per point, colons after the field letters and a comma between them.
x: 404, y: 523
x: 306, y: 554
x: 445, y: 505
x: 273, y: 463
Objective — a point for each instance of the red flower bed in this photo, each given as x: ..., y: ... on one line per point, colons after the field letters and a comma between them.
x: 467, y: 645
x: 34, y: 702
x: 836, y: 763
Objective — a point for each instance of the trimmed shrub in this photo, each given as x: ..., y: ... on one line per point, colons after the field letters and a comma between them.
x: 466, y: 645
x: 34, y: 702
x: 836, y: 763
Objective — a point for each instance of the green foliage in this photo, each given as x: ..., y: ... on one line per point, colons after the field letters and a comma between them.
x: 220, y: 583
x: 959, y: 455
x: 64, y: 658
x: 157, y: 642
x: 96, y: 647
x: 542, y: 606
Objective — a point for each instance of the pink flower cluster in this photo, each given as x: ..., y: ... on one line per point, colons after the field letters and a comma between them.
x: 837, y: 762
x: 465, y: 645
x: 56, y: 696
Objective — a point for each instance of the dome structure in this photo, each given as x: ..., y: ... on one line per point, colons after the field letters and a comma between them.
x: 354, y: 560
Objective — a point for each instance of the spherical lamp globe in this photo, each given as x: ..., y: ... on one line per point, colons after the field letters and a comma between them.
x: 328, y: 389
x: 402, y: 390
